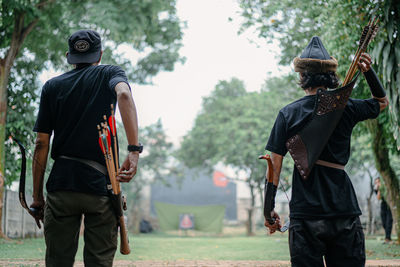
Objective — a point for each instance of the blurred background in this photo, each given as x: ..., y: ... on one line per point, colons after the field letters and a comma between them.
x: 208, y: 78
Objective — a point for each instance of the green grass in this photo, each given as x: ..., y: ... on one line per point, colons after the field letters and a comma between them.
x: 173, y: 247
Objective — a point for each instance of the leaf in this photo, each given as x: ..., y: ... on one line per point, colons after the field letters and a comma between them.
x: 389, y: 68
x: 390, y: 30
x: 385, y: 56
x: 397, y: 52
x: 387, y: 10
x: 377, y: 51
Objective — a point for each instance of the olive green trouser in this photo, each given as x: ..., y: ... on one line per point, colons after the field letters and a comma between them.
x: 62, y: 221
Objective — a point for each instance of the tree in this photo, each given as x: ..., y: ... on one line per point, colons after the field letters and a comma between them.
x: 293, y: 23
x: 36, y: 31
x: 232, y: 128
x: 154, y: 165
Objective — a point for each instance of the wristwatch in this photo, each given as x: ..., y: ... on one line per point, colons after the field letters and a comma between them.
x: 133, y: 148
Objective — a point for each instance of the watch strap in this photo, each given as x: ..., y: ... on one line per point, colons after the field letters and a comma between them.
x: 134, y: 148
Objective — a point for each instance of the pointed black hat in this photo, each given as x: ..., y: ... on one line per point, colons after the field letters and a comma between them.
x: 315, y: 58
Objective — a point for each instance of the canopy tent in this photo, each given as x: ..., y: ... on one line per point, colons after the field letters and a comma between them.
x: 206, y: 218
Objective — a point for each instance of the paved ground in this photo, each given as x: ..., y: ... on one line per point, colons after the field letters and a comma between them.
x: 199, y: 263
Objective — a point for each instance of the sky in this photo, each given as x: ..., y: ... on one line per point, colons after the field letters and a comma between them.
x: 214, y: 51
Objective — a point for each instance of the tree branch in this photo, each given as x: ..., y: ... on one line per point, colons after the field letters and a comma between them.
x: 14, y: 44
x: 28, y: 29
x: 43, y: 3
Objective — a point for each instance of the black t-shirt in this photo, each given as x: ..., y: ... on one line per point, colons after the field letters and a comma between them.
x: 71, y: 107
x: 327, y: 192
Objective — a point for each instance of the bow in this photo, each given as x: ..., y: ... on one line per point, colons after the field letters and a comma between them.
x: 37, y: 214
x: 269, y: 195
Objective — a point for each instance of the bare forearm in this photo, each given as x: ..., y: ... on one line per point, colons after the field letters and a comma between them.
x: 39, y: 164
x: 277, y: 163
x: 128, y: 112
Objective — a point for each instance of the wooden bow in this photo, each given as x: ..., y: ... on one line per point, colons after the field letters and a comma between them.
x: 269, y: 195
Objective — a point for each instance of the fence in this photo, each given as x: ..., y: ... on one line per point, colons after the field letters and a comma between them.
x: 16, y: 222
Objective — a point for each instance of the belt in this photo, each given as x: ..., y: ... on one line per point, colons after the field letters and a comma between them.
x: 94, y: 164
x: 329, y: 164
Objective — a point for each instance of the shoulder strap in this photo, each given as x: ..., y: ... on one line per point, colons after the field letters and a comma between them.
x: 94, y: 164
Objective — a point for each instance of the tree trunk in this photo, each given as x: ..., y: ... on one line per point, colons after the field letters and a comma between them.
x: 261, y: 192
x: 370, y: 214
x: 20, y: 32
x: 370, y: 229
x: 4, y: 74
x: 250, y: 230
x: 382, y: 162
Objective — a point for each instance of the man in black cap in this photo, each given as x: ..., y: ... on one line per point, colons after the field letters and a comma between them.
x: 324, y: 213
x: 71, y: 106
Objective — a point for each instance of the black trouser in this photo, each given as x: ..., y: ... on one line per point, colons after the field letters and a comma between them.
x: 62, y: 221
x: 387, y: 219
x: 340, y: 241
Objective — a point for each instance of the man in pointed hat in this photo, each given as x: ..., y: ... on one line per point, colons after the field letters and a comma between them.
x: 324, y: 213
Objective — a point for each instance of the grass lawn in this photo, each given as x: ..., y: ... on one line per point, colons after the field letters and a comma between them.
x: 173, y: 247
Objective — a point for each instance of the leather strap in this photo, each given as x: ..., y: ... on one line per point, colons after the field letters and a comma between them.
x: 91, y: 163
x: 329, y: 164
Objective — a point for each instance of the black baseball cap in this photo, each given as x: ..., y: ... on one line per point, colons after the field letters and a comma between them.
x: 84, y: 47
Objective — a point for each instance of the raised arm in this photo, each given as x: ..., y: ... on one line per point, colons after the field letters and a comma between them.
x: 375, y: 85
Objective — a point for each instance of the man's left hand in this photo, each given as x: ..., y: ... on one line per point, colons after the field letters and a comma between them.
x: 365, y: 62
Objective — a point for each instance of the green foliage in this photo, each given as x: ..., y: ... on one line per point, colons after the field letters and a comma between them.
x: 154, y: 162
x: 233, y: 127
x: 387, y: 55
x: 149, y: 27
x: 21, y: 115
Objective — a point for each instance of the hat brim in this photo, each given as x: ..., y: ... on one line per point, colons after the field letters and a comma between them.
x: 315, y: 65
x: 83, y: 57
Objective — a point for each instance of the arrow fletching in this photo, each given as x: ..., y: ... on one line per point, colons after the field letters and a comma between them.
x: 108, y: 137
x: 363, y: 35
x: 101, y: 145
x: 104, y: 141
x: 111, y: 123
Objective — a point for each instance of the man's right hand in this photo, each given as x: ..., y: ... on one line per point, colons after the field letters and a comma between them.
x: 128, y: 168
x: 277, y: 225
x: 38, y: 205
